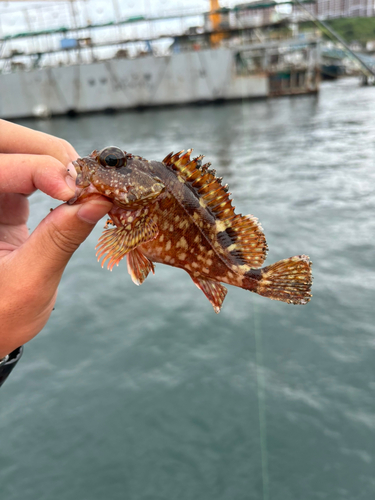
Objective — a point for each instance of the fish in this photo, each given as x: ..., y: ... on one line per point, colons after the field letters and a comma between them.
x: 178, y: 212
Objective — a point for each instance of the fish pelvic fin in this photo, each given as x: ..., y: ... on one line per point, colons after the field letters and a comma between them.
x: 213, y: 290
x: 139, y: 266
x: 288, y: 280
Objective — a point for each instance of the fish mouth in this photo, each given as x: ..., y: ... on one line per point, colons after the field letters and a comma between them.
x: 84, y: 189
x: 79, y: 165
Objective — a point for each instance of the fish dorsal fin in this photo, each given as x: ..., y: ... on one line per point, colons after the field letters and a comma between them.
x: 211, y: 193
x: 242, y: 236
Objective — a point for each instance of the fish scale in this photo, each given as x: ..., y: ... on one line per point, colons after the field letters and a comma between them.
x: 177, y: 212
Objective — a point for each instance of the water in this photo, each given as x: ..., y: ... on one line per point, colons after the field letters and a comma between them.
x: 143, y: 393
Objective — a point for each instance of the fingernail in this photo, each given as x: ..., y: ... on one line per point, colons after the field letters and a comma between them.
x: 72, y: 170
x: 93, y: 211
x: 71, y: 183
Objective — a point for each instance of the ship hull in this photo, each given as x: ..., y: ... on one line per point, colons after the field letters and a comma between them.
x: 178, y: 79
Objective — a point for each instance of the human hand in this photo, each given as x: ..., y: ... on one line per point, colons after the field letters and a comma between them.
x: 31, y: 266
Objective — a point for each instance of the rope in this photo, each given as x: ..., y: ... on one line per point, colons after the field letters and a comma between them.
x: 334, y: 36
x: 261, y: 384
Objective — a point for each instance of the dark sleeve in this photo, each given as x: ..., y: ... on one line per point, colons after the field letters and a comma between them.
x: 11, y: 362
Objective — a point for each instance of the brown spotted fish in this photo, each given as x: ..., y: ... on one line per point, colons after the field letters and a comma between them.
x: 177, y: 212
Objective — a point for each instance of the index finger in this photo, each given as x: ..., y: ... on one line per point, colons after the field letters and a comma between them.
x: 25, y: 174
x: 22, y: 140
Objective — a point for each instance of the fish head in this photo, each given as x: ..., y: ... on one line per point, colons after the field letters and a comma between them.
x: 122, y: 177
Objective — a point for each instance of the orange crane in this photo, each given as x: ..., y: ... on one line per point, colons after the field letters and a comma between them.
x: 215, y: 19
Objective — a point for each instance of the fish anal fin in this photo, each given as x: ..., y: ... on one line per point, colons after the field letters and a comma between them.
x: 243, y: 237
x: 139, y: 266
x: 117, y: 241
x: 213, y: 290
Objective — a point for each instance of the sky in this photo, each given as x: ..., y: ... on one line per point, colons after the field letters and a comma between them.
x: 20, y: 16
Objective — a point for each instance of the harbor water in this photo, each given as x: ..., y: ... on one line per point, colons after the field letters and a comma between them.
x: 144, y: 393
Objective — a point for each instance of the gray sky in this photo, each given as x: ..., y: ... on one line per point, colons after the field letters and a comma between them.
x: 18, y: 16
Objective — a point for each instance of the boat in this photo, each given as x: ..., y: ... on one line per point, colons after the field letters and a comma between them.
x: 229, y: 56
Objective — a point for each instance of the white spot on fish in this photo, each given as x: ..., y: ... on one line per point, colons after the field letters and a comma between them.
x: 182, y: 243
x: 232, y: 247
x: 220, y: 226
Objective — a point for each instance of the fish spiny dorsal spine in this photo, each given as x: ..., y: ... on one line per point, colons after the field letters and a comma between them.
x: 204, y: 180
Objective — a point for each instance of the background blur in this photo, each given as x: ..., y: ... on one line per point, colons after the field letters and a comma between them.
x: 145, y: 393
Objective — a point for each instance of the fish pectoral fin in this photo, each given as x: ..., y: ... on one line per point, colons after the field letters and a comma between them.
x: 213, y: 290
x: 113, y: 245
x: 116, y: 242
x: 139, y: 266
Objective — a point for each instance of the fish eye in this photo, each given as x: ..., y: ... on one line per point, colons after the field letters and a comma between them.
x: 112, y: 157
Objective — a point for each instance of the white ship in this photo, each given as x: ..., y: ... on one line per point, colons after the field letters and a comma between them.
x: 227, y: 58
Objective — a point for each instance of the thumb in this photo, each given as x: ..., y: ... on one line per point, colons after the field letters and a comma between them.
x: 47, y: 251
x: 31, y: 273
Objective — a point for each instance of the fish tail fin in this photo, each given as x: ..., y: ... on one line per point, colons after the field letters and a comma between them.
x: 288, y: 280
